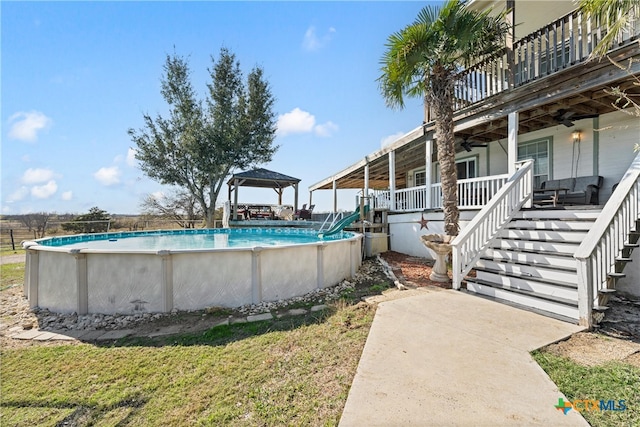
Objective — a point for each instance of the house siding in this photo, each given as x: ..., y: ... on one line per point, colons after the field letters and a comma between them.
x: 618, y: 134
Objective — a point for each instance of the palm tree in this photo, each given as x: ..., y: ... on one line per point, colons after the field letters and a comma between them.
x: 615, y: 15
x: 425, y: 60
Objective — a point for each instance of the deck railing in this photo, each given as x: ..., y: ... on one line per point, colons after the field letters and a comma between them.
x: 475, y: 236
x: 473, y: 193
x: 563, y: 43
x: 596, y: 256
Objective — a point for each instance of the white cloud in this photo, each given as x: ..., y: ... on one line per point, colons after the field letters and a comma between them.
x: 36, y: 176
x: 313, y: 42
x: 26, y: 125
x: 108, y: 176
x: 300, y: 121
x: 390, y: 139
x: 19, y: 194
x: 44, y: 191
x: 296, y: 121
x: 131, y: 157
x: 26, y: 158
x: 67, y: 195
x: 326, y: 129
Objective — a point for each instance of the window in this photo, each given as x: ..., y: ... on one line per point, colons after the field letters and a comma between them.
x: 420, y: 178
x: 466, y: 168
x: 539, y: 151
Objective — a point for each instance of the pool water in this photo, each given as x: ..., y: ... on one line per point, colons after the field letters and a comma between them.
x: 191, y: 239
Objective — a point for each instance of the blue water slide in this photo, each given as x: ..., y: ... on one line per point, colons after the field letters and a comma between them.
x: 344, y: 222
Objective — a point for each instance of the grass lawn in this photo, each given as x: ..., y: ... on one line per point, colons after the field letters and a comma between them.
x: 11, y: 274
x: 289, y: 371
x: 611, y: 381
x: 8, y: 251
x: 294, y: 371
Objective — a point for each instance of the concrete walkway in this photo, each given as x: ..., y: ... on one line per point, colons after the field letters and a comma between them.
x: 446, y: 358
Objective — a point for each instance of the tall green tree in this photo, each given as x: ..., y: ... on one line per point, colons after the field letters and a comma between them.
x: 96, y: 221
x: 425, y: 60
x: 198, y: 146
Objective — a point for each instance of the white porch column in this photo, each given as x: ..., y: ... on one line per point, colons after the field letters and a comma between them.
x: 366, y: 184
x: 335, y: 196
x: 428, y: 159
x: 512, y: 143
x: 392, y: 179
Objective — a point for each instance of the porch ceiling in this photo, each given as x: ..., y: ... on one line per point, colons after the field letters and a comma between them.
x: 580, y: 90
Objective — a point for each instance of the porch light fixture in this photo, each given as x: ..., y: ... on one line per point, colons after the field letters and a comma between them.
x: 576, y: 135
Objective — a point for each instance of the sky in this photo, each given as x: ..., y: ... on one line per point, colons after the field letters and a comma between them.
x: 76, y: 76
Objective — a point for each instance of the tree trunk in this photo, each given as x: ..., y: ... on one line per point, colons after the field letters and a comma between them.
x: 440, y: 97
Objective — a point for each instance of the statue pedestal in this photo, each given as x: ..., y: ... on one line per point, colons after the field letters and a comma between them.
x: 439, y: 244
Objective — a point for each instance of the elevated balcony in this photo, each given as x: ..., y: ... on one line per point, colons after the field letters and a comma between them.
x: 559, y: 46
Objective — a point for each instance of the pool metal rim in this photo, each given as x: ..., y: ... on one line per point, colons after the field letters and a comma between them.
x: 76, y: 238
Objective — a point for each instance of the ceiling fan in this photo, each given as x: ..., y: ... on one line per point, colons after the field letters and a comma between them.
x: 567, y: 117
x: 468, y: 145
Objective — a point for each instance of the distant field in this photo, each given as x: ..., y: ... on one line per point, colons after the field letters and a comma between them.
x: 20, y: 232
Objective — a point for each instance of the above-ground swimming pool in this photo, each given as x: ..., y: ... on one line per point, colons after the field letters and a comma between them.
x: 159, y: 271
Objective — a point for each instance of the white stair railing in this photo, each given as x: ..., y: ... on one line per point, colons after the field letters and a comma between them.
x: 475, y: 236
x: 596, y: 256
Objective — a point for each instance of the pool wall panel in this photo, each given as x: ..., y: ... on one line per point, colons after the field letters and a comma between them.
x: 124, y: 283
x: 57, y: 282
x: 221, y: 279
x: 288, y: 272
x: 336, y: 266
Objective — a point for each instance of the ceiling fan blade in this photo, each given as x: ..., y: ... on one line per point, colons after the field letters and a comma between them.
x: 585, y: 116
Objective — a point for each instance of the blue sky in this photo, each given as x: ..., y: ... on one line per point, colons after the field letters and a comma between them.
x: 77, y: 75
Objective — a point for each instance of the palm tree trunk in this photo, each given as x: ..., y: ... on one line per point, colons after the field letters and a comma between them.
x: 440, y: 97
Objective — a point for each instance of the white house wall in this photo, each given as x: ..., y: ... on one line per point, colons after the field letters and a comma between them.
x: 529, y: 15
x: 618, y: 134
x: 405, y: 230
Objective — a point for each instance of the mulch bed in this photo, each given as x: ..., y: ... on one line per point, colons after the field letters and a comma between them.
x: 412, y: 271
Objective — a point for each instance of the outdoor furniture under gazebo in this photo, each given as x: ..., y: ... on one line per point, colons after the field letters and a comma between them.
x: 261, y: 178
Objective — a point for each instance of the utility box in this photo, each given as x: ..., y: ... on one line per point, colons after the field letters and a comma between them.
x: 375, y: 243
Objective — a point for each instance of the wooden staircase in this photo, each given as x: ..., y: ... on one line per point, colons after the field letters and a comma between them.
x: 531, y: 262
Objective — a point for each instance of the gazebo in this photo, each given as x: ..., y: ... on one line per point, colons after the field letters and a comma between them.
x: 262, y: 178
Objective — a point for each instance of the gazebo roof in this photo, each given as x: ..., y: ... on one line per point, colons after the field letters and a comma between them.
x: 263, y: 178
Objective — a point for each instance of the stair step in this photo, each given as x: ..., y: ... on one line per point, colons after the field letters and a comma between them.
x: 539, y: 271
x: 550, y: 225
x: 532, y: 257
x: 543, y: 235
x: 606, y: 291
x: 614, y: 275
x: 564, y: 290
x: 560, y: 214
x: 558, y: 306
x: 631, y: 245
x: 567, y: 248
x: 600, y: 308
x: 623, y: 259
